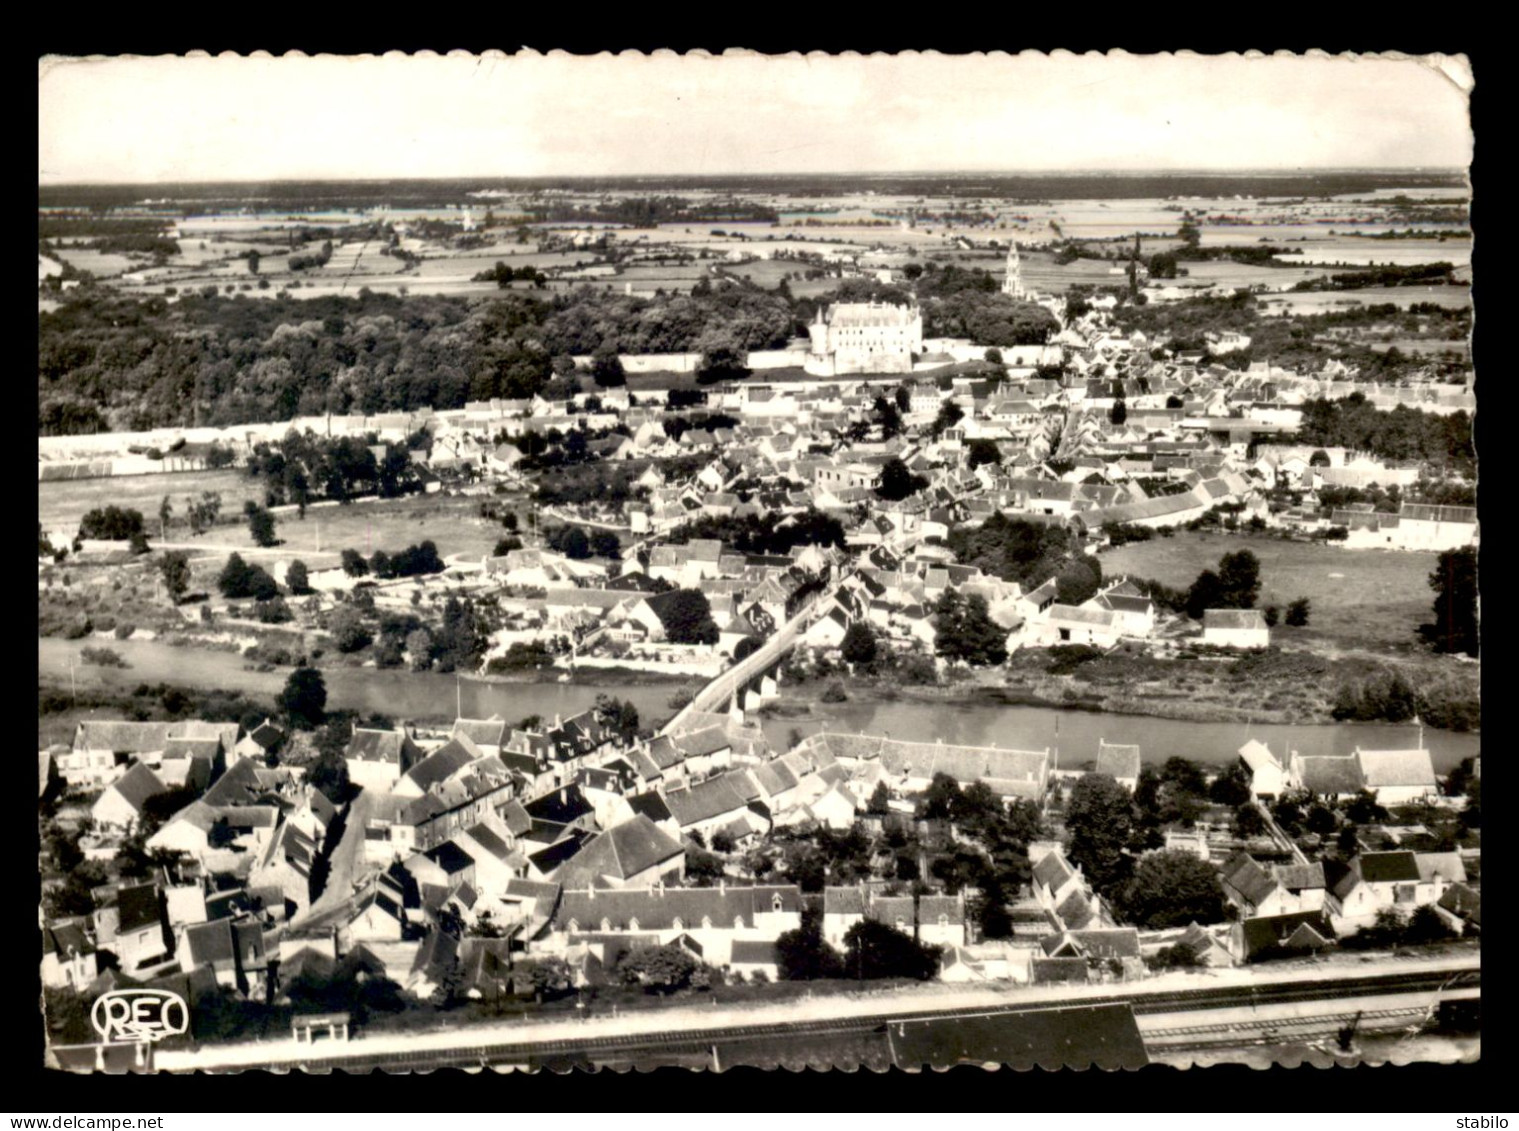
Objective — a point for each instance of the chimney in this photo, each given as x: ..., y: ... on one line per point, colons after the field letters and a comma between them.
x: 722, y: 886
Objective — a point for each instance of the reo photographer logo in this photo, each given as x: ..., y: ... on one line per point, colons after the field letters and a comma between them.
x: 139, y: 1015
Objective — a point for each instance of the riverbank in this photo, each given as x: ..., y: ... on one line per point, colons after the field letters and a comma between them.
x: 1279, y: 688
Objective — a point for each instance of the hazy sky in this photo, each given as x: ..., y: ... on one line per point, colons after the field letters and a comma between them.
x: 231, y: 118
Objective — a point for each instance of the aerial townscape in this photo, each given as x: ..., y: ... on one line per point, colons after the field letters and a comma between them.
x: 772, y: 620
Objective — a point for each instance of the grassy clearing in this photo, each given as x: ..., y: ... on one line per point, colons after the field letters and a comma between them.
x: 1367, y: 598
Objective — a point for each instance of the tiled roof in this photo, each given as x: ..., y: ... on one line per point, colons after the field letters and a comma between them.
x: 1117, y: 761
x: 1234, y: 619
x: 1382, y: 768
x: 1328, y: 775
x: 653, y: 909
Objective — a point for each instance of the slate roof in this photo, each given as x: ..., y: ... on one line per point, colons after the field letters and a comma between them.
x: 137, y: 907
x: 1388, y: 867
x: 703, y: 801
x: 1245, y: 878
x: 651, y: 805
x: 621, y: 852
x: 138, y: 784
x: 1300, y: 877
x: 1052, y: 871
x: 754, y: 952
x: 1464, y: 901
x: 1301, y: 930
x: 442, y: 764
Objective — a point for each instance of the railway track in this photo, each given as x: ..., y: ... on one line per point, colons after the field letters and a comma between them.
x: 588, y: 1050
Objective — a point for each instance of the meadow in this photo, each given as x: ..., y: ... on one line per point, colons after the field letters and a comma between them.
x: 1360, y: 598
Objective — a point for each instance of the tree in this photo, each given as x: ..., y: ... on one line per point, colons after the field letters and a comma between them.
x: 1172, y: 888
x: 659, y: 970
x: 880, y: 801
x: 304, y: 698
x: 175, y: 570
x: 419, y: 648
x: 939, y: 799
x: 571, y: 541
x: 1206, y: 593
x: 982, y: 451
x: 329, y: 773
x: 1297, y: 613
x: 165, y: 512
x: 875, y: 950
x: 605, y: 544
x: 551, y: 978
x: 1232, y: 787
x: 859, y: 644
x: 898, y: 481
x: 1119, y: 412
x: 349, y: 632
x: 297, y: 579
x: 888, y: 418
x: 606, y: 368
x: 1248, y: 821
x: 950, y: 414
x: 804, y: 955
x: 964, y: 631
x: 1273, y: 615
x: 202, y: 513
x: 687, y: 617
x: 233, y: 581
x: 354, y: 564
x: 1239, y: 576
x: 1454, y: 581
x: 1099, y: 818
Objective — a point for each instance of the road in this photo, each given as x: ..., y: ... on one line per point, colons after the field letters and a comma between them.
x: 1268, y: 998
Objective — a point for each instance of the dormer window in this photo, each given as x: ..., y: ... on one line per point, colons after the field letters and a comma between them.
x: 776, y: 903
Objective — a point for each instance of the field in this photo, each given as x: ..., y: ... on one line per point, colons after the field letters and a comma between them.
x: 62, y: 503
x: 1364, y: 598
x: 453, y: 524
x: 1319, y: 302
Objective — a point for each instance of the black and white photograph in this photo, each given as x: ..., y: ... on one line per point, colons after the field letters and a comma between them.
x: 734, y: 560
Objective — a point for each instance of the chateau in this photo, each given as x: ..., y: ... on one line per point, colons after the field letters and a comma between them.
x: 865, y: 337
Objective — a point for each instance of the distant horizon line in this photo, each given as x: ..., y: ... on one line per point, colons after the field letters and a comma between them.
x: 1282, y: 171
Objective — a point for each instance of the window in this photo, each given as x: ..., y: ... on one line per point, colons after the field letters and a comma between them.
x: 776, y: 903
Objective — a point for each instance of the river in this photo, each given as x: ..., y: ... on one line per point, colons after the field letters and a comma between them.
x: 408, y: 695
x: 394, y: 692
